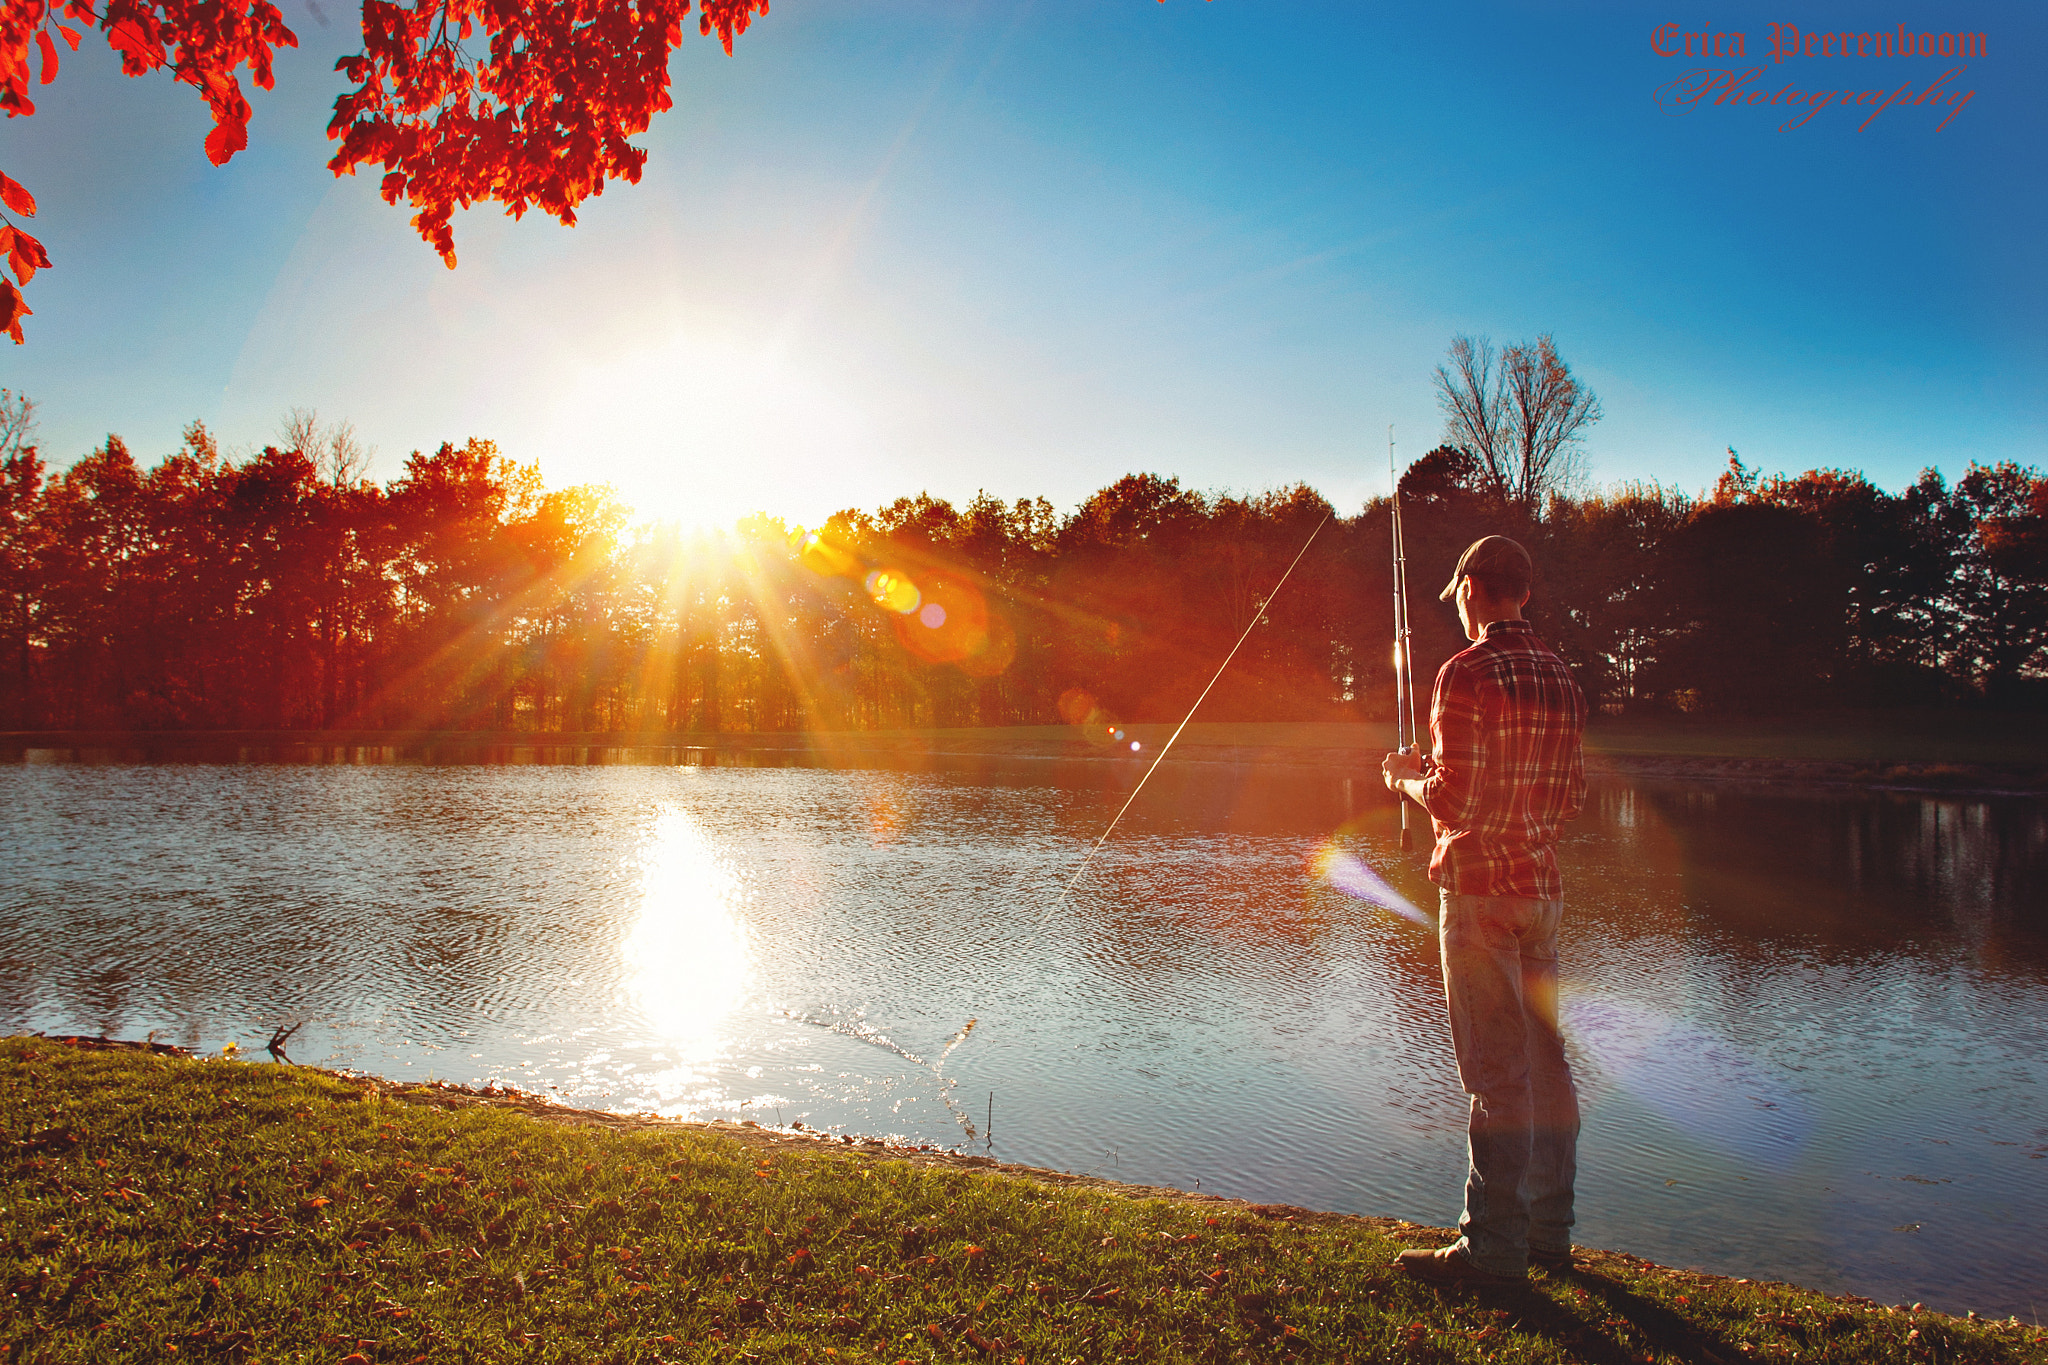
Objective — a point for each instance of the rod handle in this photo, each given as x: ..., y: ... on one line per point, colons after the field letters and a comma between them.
x: 1407, y: 839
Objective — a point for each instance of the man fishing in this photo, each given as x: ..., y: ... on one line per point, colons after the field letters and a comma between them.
x: 1506, y: 769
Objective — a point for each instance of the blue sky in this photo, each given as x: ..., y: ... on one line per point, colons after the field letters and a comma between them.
x: 1029, y: 247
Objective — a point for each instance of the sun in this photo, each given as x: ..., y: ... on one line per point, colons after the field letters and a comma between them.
x: 700, y: 429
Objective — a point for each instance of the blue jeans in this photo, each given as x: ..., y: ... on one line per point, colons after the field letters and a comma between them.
x: 1500, y: 983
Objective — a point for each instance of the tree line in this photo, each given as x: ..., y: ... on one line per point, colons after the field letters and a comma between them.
x: 285, y: 591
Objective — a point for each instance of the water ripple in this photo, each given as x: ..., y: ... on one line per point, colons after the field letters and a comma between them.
x: 1801, y: 1021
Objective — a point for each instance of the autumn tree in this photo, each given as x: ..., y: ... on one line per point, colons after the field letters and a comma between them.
x: 2000, y: 590
x: 273, y: 591
x: 1520, y: 413
x: 524, y: 103
x: 276, y: 547
x: 1886, y: 559
x: 1298, y: 663
x: 456, y: 571
x: 95, y: 599
x: 1603, y: 605
x: 1745, y: 590
x: 22, y: 537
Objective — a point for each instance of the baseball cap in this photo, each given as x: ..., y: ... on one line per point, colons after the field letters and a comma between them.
x: 1497, y: 558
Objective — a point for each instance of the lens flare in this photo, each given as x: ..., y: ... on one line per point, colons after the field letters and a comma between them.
x: 1708, y: 1087
x: 952, y: 625
x: 892, y: 591
x: 1079, y: 708
x: 819, y: 555
x: 995, y: 651
x: 1345, y: 870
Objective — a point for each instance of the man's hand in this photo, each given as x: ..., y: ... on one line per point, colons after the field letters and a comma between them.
x: 1397, y: 767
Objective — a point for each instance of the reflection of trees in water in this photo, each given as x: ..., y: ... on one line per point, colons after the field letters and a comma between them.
x: 397, y: 897
x: 412, y: 898
x: 1856, y: 868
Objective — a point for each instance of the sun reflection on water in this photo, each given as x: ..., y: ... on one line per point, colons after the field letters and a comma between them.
x: 687, y: 959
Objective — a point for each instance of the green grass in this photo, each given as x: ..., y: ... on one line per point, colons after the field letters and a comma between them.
x: 165, y: 1208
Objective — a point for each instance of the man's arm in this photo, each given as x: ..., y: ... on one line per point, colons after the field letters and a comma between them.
x: 1403, y: 773
x: 1449, y: 791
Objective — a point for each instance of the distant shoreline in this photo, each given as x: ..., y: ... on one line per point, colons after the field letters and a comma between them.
x: 1962, y: 752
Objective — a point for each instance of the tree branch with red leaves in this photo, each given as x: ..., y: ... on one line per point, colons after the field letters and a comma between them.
x: 526, y: 105
x: 520, y: 102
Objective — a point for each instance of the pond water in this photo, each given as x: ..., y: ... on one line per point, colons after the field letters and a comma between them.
x: 1811, y: 1028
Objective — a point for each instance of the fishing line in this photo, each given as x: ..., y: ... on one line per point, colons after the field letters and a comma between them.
x: 1257, y: 616
x: 961, y: 1035
x: 1066, y: 891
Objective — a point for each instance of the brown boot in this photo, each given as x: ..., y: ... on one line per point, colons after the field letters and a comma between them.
x: 1450, y: 1265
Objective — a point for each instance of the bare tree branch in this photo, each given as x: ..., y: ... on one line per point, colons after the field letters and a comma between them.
x: 17, y: 423
x: 334, y: 450
x: 1520, y: 413
x: 1470, y: 395
x: 1548, y: 410
x: 345, y: 460
x: 300, y: 431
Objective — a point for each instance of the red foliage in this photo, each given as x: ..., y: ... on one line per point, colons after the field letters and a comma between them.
x: 528, y: 105
x: 520, y: 102
x: 203, y: 42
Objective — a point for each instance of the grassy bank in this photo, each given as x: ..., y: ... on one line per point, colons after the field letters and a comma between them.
x: 164, y: 1208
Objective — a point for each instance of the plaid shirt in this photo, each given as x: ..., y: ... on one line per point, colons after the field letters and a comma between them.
x: 1507, y: 770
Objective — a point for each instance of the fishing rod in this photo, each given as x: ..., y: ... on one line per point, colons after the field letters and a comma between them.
x: 1404, y: 678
